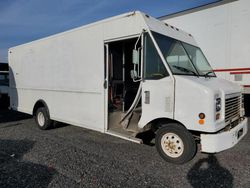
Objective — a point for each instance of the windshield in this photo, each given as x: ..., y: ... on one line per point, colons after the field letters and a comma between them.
x: 183, y: 58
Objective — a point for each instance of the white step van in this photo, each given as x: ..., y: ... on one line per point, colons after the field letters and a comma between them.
x: 4, y: 85
x: 129, y: 76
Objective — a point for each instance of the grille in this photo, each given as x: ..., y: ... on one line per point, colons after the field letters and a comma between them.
x: 232, y: 108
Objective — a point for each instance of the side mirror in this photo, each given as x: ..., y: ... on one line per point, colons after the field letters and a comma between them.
x: 133, y: 74
x: 135, y: 57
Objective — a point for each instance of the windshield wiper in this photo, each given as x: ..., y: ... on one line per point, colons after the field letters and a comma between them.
x: 206, y: 75
x: 185, y: 70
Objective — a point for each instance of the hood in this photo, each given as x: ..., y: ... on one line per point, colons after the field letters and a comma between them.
x: 214, y: 84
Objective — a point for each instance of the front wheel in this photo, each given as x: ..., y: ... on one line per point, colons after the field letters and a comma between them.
x: 175, y: 144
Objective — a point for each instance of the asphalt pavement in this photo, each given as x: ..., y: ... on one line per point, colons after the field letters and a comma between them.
x: 69, y: 156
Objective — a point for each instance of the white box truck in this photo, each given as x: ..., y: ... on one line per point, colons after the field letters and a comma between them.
x: 222, y: 30
x: 4, y: 85
x: 127, y: 75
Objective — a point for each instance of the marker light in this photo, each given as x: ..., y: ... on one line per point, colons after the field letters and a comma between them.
x: 202, y: 116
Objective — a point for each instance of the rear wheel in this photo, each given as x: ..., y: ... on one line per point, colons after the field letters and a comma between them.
x: 175, y: 144
x: 42, y: 118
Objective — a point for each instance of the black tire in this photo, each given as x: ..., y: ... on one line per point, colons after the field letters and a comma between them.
x: 4, y: 101
x: 47, y: 122
x: 184, y: 142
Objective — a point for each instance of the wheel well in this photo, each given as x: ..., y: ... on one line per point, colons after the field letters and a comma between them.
x: 39, y: 104
x: 157, y: 123
x: 151, y: 128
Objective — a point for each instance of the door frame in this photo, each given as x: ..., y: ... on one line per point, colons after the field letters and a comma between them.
x: 106, y: 75
x: 106, y: 85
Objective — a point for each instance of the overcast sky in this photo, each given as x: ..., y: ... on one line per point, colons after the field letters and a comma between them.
x: 22, y: 21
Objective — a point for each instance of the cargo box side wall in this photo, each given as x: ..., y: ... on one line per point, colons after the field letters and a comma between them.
x: 66, y: 72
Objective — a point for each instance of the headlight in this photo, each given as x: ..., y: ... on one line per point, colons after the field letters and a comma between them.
x: 218, y: 104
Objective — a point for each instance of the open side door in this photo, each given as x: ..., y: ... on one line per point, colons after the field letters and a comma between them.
x: 122, y: 95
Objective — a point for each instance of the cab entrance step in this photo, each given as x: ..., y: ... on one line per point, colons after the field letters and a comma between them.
x: 125, y: 135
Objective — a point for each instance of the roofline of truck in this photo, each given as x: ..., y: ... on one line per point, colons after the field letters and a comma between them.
x: 196, y: 9
x: 128, y: 14
x: 81, y: 27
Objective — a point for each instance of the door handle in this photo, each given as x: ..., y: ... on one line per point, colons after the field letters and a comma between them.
x: 105, y: 84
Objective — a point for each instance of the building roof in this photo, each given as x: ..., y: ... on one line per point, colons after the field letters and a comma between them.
x: 196, y: 9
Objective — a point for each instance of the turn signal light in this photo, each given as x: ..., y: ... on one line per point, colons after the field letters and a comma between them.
x: 201, y: 121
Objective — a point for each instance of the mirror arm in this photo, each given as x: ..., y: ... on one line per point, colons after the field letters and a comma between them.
x: 134, y: 80
x: 138, y: 78
x: 139, y: 66
x: 139, y: 38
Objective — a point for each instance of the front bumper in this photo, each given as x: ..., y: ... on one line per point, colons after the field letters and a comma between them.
x: 212, y: 143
